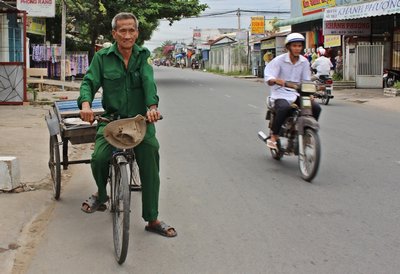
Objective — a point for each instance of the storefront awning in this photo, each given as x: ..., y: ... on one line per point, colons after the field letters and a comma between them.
x: 301, y: 19
x: 6, y: 7
x: 363, y: 10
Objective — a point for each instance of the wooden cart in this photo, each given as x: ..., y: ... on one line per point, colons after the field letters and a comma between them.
x: 66, y: 128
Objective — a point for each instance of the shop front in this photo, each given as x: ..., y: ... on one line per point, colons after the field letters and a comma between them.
x: 370, y: 37
x: 270, y: 48
x: 12, y: 55
x: 255, y: 57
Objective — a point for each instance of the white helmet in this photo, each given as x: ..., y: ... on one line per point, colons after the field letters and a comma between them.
x: 321, y: 51
x: 294, y: 37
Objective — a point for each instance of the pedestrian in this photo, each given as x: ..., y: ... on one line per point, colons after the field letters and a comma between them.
x: 339, y: 63
x: 124, y: 72
x: 314, y: 55
x: 268, y: 56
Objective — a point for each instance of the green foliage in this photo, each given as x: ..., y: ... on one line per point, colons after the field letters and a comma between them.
x: 92, y: 18
x: 232, y: 73
x: 396, y: 85
x: 337, y: 77
x: 30, y: 89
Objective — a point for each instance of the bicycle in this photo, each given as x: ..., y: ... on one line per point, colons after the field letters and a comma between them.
x: 123, y: 178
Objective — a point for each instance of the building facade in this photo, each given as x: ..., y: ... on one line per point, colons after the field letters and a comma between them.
x: 366, y: 32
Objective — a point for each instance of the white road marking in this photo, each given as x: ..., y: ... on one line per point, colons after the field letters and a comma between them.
x: 252, y: 106
x: 228, y: 96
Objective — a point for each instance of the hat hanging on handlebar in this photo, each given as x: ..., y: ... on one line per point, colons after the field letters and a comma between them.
x: 126, y: 133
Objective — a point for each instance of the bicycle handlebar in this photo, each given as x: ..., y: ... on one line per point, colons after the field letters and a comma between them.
x: 103, y: 119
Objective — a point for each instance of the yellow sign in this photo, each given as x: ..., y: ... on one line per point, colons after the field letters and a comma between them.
x: 331, y: 41
x: 314, y: 6
x: 36, y: 25
x: 257, y: 25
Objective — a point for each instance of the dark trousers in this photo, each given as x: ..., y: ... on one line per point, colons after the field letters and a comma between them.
x: 147, y: 158
x: 282, y: 111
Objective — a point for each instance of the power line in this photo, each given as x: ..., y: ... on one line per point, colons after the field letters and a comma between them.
x: 246, y: 11
x: 233, y: 13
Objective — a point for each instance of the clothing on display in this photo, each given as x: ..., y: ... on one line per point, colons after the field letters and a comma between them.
x: 49, y: 56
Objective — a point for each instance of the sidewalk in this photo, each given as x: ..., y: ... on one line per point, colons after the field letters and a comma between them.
x: 25, y: 135
x: 367, y: 97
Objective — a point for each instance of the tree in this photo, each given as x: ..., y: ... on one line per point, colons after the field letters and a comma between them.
x: 94, y: 16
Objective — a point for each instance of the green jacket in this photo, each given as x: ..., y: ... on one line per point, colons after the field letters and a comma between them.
x: 126, y: 92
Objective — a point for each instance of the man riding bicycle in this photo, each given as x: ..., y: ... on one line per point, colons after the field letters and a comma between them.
x: 124, y: 72
x: 291, y: 67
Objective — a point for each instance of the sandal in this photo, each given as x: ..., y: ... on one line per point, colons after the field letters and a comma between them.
x: 162, y: 229
x: 271, y: 144
x: 92, y: 204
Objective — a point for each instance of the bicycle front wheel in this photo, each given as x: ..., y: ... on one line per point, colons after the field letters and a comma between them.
x: 121, y: 199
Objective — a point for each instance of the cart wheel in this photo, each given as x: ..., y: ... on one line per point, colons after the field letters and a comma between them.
x: 55, y: 166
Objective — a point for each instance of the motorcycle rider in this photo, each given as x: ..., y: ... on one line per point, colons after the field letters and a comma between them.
x: 322, y: 65
x: 292, y: 67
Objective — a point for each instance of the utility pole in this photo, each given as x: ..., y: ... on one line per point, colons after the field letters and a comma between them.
x: 238, y: 37
x: 63, y: 27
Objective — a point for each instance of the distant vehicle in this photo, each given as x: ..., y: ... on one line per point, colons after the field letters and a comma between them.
x: 195, y: 64
x: 390, y: 76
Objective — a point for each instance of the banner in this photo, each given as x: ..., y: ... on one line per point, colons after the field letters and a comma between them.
x: 257, y: 25
x: 314, y: 6
x: 348, y: 27
x: 36, y: 26
x: 369, y: 9
x: 331, y: 41
x: 268, y: 44
x: 38, y: 8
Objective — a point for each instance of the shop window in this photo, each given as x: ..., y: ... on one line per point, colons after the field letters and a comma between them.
x: 396, y: 50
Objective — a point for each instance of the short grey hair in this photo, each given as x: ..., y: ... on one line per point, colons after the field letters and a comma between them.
x: 124, y: 16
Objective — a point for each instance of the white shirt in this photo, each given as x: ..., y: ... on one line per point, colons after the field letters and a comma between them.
x: 322, y: 65
x: 282, y: 68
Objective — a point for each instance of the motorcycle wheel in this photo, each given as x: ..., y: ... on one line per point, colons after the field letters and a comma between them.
x: 389, y: 82
x: 309, y: 163
x: 325, y: 98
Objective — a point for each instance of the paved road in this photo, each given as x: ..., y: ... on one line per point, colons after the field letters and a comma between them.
x: 237, y: 210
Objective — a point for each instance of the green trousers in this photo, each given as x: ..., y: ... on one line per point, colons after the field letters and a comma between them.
x: 147, y: 158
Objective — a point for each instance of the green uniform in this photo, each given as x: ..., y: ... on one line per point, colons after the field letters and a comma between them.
x: 126, y: 93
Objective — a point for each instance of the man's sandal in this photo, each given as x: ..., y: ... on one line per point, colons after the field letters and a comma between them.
x: 271, y: 144
x: 92, y: 204
x: 162, y: 229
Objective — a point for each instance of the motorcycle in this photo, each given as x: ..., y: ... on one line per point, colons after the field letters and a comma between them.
x: 195, y: 65
x: 324, y: 89
x: 390, y: 76
x: 299, y: 133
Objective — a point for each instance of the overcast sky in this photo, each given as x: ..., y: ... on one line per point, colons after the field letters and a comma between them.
x: 182, y: 31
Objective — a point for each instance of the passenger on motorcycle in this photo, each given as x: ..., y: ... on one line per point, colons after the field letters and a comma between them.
x: 291, y: 67
x: 322, y: 65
